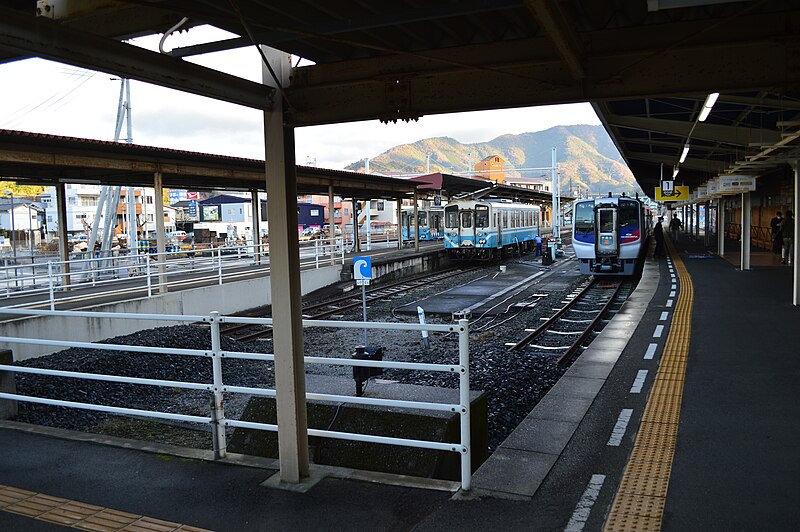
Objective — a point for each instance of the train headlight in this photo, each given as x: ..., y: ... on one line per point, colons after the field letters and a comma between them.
x: 482, y: 241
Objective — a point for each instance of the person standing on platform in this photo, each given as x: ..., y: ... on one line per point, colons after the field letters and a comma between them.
x: 777, y: 238
x: 658, y: 234
x: 538, y: 241
x: 675, y: 226
x: 787, y: 231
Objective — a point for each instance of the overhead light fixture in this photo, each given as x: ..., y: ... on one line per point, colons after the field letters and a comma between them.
x: 675, y: 172
x: 685, y: 153
x: 711, y: 99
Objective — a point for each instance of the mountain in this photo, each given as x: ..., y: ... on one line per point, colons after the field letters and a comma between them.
x: 587, y: 159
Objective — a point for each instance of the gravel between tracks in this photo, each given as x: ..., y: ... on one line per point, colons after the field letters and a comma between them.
x: 514, y: 382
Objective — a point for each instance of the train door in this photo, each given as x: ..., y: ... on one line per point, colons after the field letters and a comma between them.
x: 435, y: 224
x: 499, y: 226
x: 606, y: 226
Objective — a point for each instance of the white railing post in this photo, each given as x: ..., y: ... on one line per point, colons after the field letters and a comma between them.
x: 50, y: 285
x: 219, y: 267
x: 316, y: 254
x: 218, y: 414
x: 147, y: 273
x: 466, y: 445
x: 342, y: 248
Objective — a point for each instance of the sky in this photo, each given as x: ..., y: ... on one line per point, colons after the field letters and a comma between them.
x: 46, y: 97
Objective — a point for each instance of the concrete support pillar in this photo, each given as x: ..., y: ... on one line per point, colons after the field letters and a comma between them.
x: 256, y: 208
x: 161, y: 245
x: 290, y: 384
x: 63, y: 242
x: 746, y: 213
x: 795, y: 253
x: 416, y: 222
x: 706, y: 231
x: 332, y: 224
x: 356, y: 241
x: 8, y: 407
x: 721, y: 227
x: 399, y: 223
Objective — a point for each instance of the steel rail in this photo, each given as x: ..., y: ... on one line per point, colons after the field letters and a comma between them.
x: 573, y: 349
x: 554, y: 318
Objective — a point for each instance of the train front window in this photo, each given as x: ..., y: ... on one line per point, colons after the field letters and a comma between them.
x: 628, y: 221
x: 481, y: 216
x: 584, y: 222
x: 466, y: 219
x: 451, y: 217
x: 423, y: 218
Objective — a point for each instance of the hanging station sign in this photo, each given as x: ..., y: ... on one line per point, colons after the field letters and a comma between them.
x: 736, y: 184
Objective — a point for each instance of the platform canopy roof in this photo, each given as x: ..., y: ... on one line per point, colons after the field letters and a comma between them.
x: 646, y: 65
x: 454, y: 186
x: 49, y: 159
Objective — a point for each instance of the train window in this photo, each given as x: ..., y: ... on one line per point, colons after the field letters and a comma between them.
x: 451, y: 217
x: 466, y: 219
x: 405, y: 218
x: 423, y: 218
x: 481, y: 216
x: 584, y: 222
x: 606, y: 220
x: 629, y: 228
x: 505, y: 218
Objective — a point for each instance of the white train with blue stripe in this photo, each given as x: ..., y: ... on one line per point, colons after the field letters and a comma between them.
x: 609, y: 234
x: 430, y: 223
x: 488, y: 229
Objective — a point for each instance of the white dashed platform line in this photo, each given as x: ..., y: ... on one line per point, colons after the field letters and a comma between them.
x: 669, y: 303
x: 585, y: 504
x: 620, y: 427
x: 673, y: 287
x: 638, y: 382
x: 664, y: 316
x: 659, y: 331
x: 651, y: 351
x: 672, y: 294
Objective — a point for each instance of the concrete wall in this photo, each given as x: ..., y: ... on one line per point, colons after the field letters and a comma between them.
x: 228, y: 298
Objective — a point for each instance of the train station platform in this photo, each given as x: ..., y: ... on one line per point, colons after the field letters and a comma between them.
x: 693, y: 426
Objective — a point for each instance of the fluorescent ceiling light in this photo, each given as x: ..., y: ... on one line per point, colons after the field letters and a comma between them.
x: 711, y: 99
x: 685, y: 153
x: 675, y: 171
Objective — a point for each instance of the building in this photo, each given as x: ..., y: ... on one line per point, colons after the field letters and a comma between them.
x: 491, y: 168
x: 27, y: 223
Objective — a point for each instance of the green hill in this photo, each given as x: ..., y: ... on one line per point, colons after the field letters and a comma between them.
x: 587, y: 159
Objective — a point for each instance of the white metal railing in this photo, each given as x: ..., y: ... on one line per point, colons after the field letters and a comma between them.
x: 217, y: 387
x: 59, y: 282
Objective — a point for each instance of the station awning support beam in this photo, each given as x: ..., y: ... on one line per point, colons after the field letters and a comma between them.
x: 795, y: 252
x: 746, y: 217
x: 290, y: 384
x: 161, y: 246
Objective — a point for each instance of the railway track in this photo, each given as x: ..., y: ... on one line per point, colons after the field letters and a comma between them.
x: 325, y: 309
x: 576, y: 322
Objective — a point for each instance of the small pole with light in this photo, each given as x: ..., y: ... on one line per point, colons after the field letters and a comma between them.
x: 13, y: 240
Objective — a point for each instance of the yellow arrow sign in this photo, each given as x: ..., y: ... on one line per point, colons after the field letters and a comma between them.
x: 678, y: 194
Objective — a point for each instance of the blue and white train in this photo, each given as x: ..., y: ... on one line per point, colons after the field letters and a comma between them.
x: 431, y: 222
x: 485, y: 230
x: 609, y: 235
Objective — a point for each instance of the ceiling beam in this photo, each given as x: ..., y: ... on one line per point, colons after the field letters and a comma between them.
x: 560, y: 31
x: 703, y: 131
x: 45, y: 38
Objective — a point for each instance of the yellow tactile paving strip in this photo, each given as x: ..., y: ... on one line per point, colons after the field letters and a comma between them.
x: 642, y: 493
x: 80, y: 515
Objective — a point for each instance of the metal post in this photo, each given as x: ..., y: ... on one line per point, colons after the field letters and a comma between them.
x: 316, y: 254
x: 256, y: 208
x: 721, y: 227
x: 219, y: 264
x: 416, y: 222
x: 50, y: 284
x: 464, y: 399
x: 63, y: 245
x: 161, y: 244
x: 332, y: 224
x: 399, y: 223
x: 147, y: 272
x: 707, y: 226
x: 364, y: 311
x: 745, y: 259
x: 216, y: 365
x: 356, y: 241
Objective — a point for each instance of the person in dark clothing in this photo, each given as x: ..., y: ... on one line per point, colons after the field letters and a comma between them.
x: 777, y: 237
x: 675, y: 226
x: 658, y: 234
